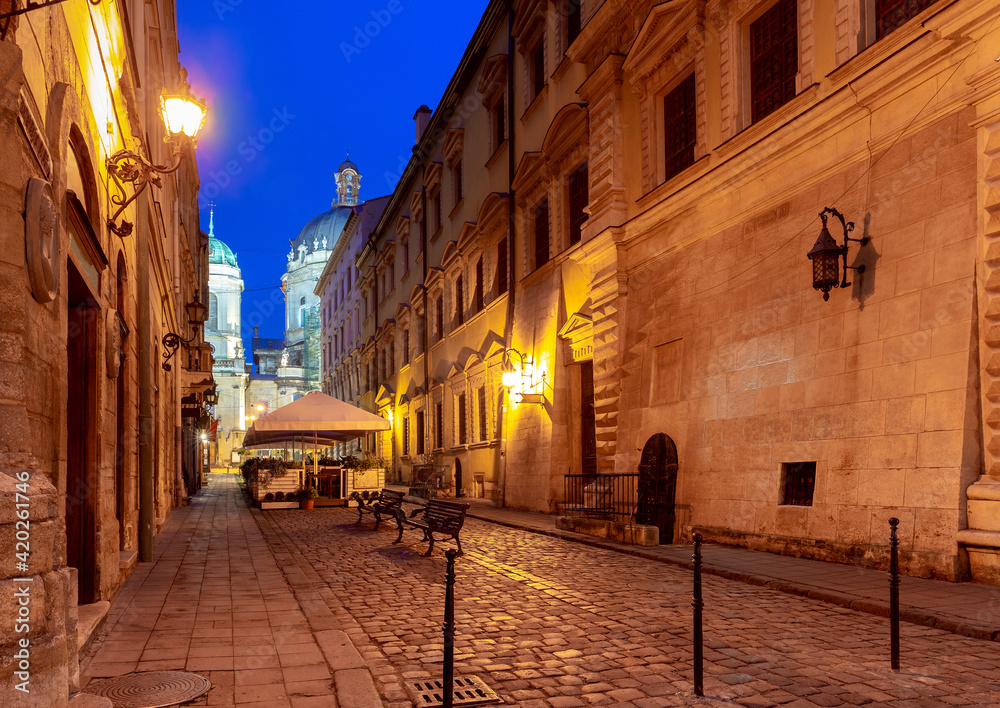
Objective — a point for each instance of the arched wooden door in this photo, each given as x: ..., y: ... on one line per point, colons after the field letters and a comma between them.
x: 657, y: 485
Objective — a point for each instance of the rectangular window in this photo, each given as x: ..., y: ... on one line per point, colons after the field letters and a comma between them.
x: 892, y: 14
x: 477, y: 304
x: 456, y: 174
x: 578, y: 199
x: 573, y: 21
x: 406, y: 346
x: 437, y: 211
x: 798, y: 480
x: 406, y: 435
x: 462, y: 428
x: 438, y: 425
x: 439, y: 317
x: 538, y: 69
x: 542, y: 233
x: 483, y: 433
x: 774, y: 58
x: 502, y: 280
x: 459, y: 302
x: 420, y: 432
x: 679, y: 128
x: 499, y: 121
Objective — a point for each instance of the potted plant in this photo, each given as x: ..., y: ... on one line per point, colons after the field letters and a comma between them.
x: 307, y: 497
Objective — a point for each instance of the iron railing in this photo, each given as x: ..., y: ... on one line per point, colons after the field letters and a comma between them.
x: 600, y: 496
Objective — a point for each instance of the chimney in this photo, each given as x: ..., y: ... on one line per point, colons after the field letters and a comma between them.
x: 422, y: 117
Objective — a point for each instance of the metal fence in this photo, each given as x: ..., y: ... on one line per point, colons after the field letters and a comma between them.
x: 600, y: 496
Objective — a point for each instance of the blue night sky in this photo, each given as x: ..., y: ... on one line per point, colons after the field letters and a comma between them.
x: 289, y: 86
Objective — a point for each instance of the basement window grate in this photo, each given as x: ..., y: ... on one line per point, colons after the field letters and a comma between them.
x: 466, y: 691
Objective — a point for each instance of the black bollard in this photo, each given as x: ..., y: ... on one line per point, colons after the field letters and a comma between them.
x: 449, y: 629
x: 697, y: 603
x: 894, y: 595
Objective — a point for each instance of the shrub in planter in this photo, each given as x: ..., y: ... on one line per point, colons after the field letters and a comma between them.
x: 269, y: 497
x: 307, y: 497
x: 279, y: 496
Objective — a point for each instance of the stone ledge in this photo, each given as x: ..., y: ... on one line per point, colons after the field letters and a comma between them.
x: 90, y: 619
x: 633, y: 534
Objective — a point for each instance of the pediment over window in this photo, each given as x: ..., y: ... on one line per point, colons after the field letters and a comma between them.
x: 579, y: 335
x: 455, y: 370
x: 403, y: 312
x: 669, y: 28
x: 385, y: 393
x: 435, y: 278
x: 403, y: 226
x: 493, y: 346
x: 494, y: 81
x: 494, y: 213
x: 529, y: 23
x: 469, y: 235
x: 417, y: 295
x: 454, y: 143
x: 451, y: 254
x: 432, y: 176
x: 416, y: 205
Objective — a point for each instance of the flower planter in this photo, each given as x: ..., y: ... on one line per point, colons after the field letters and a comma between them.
x: 306, y: 503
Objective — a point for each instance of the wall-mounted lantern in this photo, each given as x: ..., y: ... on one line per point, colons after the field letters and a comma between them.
x: 183, y: 115
x: 826, y: 255
x: 517, y: 379
x: 211, y: 397
x: 196, y: 312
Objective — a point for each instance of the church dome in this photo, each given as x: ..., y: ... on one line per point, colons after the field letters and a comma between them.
x: 348, y: 165
x: 220, y: 253
x: 323, y: 231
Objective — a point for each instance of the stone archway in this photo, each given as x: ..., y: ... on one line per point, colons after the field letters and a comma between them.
x: 658, y: 485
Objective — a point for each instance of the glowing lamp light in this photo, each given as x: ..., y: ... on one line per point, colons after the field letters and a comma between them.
x: 182, y: 113
x: 510, y: 379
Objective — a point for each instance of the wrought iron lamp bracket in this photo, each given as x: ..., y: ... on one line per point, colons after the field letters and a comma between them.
x: 6, y: 17
x: 848, y: 227
x: 127, y: 166
x: 172, y: 342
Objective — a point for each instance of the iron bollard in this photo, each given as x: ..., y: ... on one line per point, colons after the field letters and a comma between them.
x: 894, y: 595
x: 449, y: 629
x: 697, y: 603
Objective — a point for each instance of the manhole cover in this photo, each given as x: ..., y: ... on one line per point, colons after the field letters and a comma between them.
x: 466, y: 691
x: 151, y: 689
x: 660, y: 586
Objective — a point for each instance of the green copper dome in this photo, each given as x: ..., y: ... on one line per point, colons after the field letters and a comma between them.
x: 220, y: 253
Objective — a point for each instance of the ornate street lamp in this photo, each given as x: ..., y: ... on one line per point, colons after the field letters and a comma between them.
x: 516, y: 379
x: 183, y: 115
x: 211, y: 397
x: 826, y: 254
x: 171, y: 342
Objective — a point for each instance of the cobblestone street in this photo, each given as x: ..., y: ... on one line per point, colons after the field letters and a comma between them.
x: 547, y: 622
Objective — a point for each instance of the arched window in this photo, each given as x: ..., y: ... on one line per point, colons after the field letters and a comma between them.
x: 302, y: 312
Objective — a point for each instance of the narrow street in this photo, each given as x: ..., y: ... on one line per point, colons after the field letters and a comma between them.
x: 547, y: 622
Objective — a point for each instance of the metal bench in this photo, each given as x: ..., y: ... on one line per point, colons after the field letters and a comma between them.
x: 387, y: 503
x: 437, y: 517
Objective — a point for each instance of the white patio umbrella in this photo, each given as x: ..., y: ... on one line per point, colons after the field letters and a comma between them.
x: 315, y: 418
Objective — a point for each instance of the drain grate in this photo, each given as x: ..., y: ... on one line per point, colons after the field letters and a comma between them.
x: 151, y: 689
x: 467, y: 691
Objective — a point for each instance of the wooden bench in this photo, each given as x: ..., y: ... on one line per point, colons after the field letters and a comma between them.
x: 437, y: 517
x: 388, y: 503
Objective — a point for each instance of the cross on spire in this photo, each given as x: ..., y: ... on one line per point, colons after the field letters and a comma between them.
x: 211, y: 219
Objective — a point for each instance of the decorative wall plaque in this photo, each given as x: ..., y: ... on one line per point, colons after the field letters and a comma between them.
x: 41, y: 240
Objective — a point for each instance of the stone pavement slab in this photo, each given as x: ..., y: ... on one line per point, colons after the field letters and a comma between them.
x: 216, y: 602
x: 549, y: 623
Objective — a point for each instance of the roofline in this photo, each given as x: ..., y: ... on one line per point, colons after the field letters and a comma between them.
x: 491, y: 20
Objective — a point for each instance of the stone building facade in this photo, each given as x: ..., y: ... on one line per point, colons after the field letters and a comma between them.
x: 340, y: 311
x: 94, y: 443
x: 619, y: 213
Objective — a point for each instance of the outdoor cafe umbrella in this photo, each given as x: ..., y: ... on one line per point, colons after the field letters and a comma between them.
x: 315, y: 418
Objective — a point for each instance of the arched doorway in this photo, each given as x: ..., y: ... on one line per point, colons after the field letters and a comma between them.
x: 657, y: 485
x: 458, y: 478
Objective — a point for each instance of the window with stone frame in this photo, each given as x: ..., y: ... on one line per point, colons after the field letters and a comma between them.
x: 680, y: 127
x: 478, y: 288
x: 798, y: 482
x: 540, y: 233
x: 438, y: 425
x: 459, y: 300
x: 493, y: 88
x: 406, y: 345
x: 432, y: 186
x: 420, y: 432
x: 577, y: 190
x: 483, y: 421
x: 502, y: 267
x: 406, y: 435
x: 438, y: 221
x: 461, y: 414
x: 774, y: 58
x: 439, y: 318
x: 536, y: 68
x: 452, y: 150
x: 456, y: 181
x: 404, y: 253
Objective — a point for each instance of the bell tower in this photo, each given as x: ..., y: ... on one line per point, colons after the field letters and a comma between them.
x: 348, y: 184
